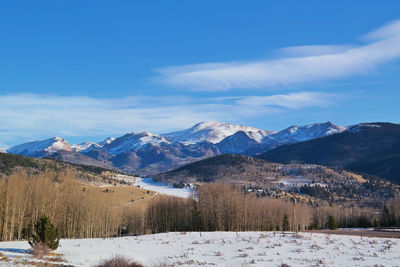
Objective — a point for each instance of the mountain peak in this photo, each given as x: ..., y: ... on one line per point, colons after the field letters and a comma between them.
x: 213, y: 132
x: 306, y: 132
x: 41, y: 148
x: 107, y: 141
x: 133, y: 141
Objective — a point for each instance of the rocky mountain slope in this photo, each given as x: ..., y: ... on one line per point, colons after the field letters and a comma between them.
x: 40, y: 149
x: 372, y: 148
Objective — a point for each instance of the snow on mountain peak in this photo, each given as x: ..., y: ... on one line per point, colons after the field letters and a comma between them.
x: 107, y: 141
x: 57, y: 145
x: 134, y: 141
x: 306, y: 132
x: 41, y: 147
x: 88, y: 146
x: 84, y: 146
x: 214, y: 132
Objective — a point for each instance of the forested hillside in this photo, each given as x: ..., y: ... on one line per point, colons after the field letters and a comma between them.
x: 372, y: 148
x: 268, y: 179
x: 10, y: 163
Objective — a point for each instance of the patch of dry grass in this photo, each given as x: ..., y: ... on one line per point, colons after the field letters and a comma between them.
x: 122, y: 196
x: 119, y: 261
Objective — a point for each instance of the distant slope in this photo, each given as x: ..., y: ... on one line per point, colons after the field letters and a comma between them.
x: 40, y: 148
x: 77, y: 158
x: 372, y: 148
x: 310, y: 179
x: 294, y: 134
x: 10, y: 163
x: 231, y: 167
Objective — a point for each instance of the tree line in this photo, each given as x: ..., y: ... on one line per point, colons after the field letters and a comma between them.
x: 77, y: 213
x: 223, y: 207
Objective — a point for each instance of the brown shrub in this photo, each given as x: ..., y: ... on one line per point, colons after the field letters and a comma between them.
x: 40, y: 250
x: 4, y: 257
x: 119, y: 261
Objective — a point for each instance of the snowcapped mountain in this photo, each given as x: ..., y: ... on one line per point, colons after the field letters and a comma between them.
x: 40, y: 148
x: 88, y: 146
x: 147, y: 153
x: 107, y: 141
x: 294, y: 134
x: 214, y: 132
x: 84, y: 146
x: 134, y: 141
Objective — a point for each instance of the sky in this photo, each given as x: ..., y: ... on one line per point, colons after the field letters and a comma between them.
x: 86, y: 70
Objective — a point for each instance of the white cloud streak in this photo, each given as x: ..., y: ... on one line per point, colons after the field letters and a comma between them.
x: 312, y: 50
x: 301, y: 65
x: 27, y: 116
x: 293, y: 100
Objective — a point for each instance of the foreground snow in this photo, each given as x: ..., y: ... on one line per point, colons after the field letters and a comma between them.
x: 227, y: 249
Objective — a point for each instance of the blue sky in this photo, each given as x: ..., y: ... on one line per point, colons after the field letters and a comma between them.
x: 91, y: 69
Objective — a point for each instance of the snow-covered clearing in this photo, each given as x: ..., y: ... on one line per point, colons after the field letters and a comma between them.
x: 150, y: 184
x: 227, y: 249
x: 166, y: 189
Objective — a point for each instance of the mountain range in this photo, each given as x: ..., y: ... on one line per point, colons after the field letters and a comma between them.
x: 147, y: 153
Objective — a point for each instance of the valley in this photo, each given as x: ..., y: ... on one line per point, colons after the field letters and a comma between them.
x: 200, y: 133
x: 98, y: 190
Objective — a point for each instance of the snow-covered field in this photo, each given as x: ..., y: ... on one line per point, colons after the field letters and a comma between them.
x: 167, y: 189
x: 226, y: 249
x: 150, y: 184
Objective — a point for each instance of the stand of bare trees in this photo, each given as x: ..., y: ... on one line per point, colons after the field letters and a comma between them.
x: 77, y: 214
x: 221, y: 207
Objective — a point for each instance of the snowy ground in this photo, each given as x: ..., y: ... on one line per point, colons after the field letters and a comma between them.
x: 166, y: 189
x: 150, y: 184
x: 227, y: 249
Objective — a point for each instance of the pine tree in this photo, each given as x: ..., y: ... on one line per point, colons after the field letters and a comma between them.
x: 285, y: 223
x: 332, y: 223
x: 46, y: 233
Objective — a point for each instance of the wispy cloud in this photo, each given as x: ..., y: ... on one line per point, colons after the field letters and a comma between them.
x: 312, y: 50
x: 300, y: 65
x: 292, y: 100
x: 28, y: 116
x: 390, y: 30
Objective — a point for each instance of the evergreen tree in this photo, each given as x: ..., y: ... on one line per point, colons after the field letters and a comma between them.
x: 285, y: 223
x: 46, y: 233
x: 332, y: 223
x: 385, y: 216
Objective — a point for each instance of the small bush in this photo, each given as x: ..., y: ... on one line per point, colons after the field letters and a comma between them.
x: 39, y: 250
x: 119, y: 261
